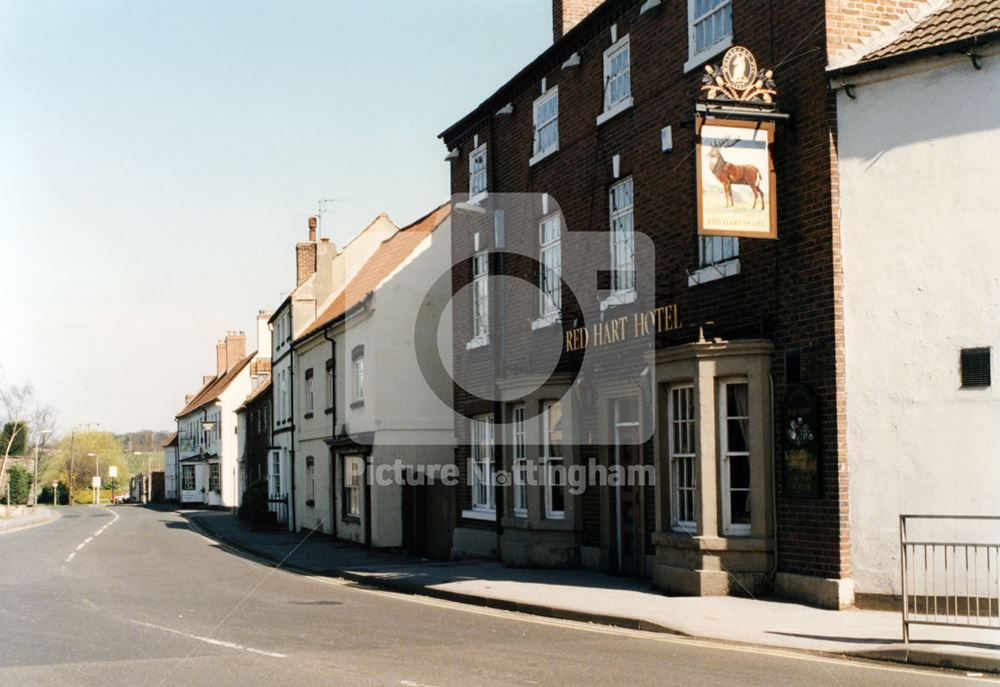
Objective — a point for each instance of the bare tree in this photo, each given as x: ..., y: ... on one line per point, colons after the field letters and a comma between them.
x: 24, y: 414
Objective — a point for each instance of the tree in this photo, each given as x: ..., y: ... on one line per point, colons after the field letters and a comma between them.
x: 19, y: 484
x: 77, y: 453
x: 26, y: 421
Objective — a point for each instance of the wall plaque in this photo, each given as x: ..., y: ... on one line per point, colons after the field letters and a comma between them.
x: 802, y: 444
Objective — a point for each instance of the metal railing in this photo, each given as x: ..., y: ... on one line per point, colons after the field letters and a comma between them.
x: 278, y: 504
x: 948, y: 582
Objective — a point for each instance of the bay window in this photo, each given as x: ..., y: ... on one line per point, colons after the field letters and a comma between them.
x: 519, y: 463
x: 734, y: 431
x: 681, y: 443
x: 481, y: 466
x: 552, y: 460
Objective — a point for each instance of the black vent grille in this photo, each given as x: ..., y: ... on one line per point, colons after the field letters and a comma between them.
x: 975, y: 367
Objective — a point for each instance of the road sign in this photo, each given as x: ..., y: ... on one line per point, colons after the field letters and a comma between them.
x: 113, y: 471
x: 95, y: 482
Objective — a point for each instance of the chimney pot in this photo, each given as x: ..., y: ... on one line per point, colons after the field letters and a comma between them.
x: 312, y: 228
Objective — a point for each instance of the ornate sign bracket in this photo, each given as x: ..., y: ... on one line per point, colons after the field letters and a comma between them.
x: 736, y: 89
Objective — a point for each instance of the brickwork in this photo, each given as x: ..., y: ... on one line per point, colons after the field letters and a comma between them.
x: 849, y: 22
x: 788, y: 290
x: 305, y: 261
x: 568, y: 13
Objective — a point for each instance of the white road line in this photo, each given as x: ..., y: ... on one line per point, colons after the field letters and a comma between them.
x: 214, y: 642
x: 91, y: 538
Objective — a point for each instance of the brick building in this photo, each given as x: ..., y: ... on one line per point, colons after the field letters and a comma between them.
x: 598, y: 135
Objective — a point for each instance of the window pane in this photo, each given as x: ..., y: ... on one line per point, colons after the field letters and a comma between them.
x: 739, y: 505
x: 739, y: 472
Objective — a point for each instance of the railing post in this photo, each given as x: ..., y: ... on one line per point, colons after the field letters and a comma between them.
x: 902, y: 575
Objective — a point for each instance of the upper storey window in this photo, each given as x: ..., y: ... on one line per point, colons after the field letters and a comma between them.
x: 710, y: 30
x: 546, y: 116
x: 477, y: 172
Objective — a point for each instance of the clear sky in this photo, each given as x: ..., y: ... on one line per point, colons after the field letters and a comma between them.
x: 159, y: 159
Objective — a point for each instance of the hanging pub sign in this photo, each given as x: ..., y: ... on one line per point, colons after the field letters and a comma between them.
x: 801, y: 440
x: 734, y: 166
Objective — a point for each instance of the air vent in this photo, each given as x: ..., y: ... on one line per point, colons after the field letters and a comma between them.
x: 975, y: 367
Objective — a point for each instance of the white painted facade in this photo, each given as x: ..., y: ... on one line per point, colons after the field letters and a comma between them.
x: 919, y: 199
x: 398, y: 417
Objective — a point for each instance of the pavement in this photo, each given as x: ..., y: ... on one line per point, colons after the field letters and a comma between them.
x: 129, y: 596
x: 594, y: 597
x: 19, y: 517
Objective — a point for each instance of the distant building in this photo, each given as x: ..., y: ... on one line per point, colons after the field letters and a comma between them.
x: 171, y: 467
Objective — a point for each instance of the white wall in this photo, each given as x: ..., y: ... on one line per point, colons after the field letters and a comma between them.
x: 920, y: 219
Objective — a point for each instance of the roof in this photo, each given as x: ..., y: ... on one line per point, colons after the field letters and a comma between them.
x: 170, y: 440
x: 261, y: 388
x: 953, y: 25
x: 392, y: 252
x: 215, y: 387
x: 557, y: 53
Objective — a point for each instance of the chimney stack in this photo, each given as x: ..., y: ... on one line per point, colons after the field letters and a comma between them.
x: 236, y: 348
x: 305, y: 256
x: 220, y: 359
x: 568, y: 13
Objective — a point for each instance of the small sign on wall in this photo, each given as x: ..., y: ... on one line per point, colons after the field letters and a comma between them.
x: 801, y: 440
x: 735, y: 178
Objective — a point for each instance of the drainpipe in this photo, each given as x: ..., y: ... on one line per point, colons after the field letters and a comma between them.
x: 333, y: 432
x: 774, y: 484
x: 291, y: 451
x: 498, y: 446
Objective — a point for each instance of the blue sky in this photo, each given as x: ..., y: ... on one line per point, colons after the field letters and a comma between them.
x: 159, y: 159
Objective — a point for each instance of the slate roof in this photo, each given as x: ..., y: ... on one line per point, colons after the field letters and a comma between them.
x: 392, y: 252
x: 956, y: 21
x: 215, y: 387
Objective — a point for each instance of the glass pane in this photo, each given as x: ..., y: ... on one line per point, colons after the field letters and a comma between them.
x: 734, y: 433
x: 739, y: 472
x: 739, y: 507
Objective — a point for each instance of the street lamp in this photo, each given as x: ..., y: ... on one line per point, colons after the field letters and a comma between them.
x: 34, y: 480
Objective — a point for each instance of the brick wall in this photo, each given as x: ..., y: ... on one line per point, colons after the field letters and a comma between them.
x: 305, y: 261
x: 789, y: 290
x: 849, y: 22
x: 568, y: 13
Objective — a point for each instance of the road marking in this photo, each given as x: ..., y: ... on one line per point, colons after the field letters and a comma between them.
x: 800, y: 655
x: 209, y: 640
x: 97, y: 533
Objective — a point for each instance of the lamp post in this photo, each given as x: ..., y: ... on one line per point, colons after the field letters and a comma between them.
x: 34, y: 480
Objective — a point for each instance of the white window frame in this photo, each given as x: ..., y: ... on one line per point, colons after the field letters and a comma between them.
x: 728, y: 526
x: 353, y: 471
x: 214, y: 477
x: 550, y: 270
x: 478, y: 178
x: 310, y: 478
x: 310, y: 394
x: 695, y: 57
x: 682, y: 449
x: 519, y: 462
x: 330, y: 382
x: 623, y: 102
x: 538, y: 152
x: 622, y: 237
x: 481, y: 467
x: 358, y: 377
x: 480, y: 299
x: 551, y: 459
x: 276, y: 473
x: 188, y: 471
x: 709, y: 269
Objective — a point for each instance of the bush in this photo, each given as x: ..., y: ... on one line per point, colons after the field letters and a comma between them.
x: 46, y: 495
x: 19, y: 485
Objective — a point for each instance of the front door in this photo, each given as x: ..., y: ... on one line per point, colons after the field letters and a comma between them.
x: 628, y: 506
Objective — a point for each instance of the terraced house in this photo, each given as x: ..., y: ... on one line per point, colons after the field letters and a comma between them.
x: 697, y: 141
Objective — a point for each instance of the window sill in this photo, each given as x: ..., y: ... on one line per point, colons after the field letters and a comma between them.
x: 710, y: 273
x: 520, y: 512
x: 545, y: 321
x: 477, y: 342
x: 619, y: 107
x: 705, y: 55
x: 488, y: 515
x: 556, y: 516
x: 538, y: 157
x: 351, y: 519
x: 618, y: 298
x: 737, y: 531
x: 478, y: 198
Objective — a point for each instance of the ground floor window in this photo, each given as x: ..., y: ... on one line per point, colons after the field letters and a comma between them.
x: 187, y: 478
x: 213, y: 477
x: 481, y: 463
x: 734, y: 431
x: 681, y: 442
x: 552, y: 460
x: 519, y: 464
x: 353, y: 469
x: 276, y: 473
x: 310, y: 479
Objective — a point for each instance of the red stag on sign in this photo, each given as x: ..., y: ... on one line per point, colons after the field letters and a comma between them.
x: 729, y: 174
